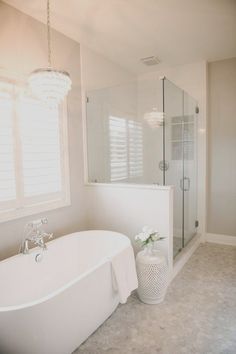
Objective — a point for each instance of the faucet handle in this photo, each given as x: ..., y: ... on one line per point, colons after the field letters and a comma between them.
x: 35, y: 224
x: 50, y: 236
x: 46, y: 235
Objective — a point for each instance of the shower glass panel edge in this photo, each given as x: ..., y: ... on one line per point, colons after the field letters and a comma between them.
x: 190, y: 122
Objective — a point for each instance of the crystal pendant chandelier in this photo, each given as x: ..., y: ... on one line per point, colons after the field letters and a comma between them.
x: 48, y: 84
x: 154, y: 118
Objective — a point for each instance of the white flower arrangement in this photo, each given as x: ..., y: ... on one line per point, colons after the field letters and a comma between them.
x: 147, y: 236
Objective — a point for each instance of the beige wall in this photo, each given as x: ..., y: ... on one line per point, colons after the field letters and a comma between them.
x: 23, y: 48
x: 99, y: 72
x: 222, y: 148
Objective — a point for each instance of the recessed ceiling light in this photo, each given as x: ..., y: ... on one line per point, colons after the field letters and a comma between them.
x: 150, y: 60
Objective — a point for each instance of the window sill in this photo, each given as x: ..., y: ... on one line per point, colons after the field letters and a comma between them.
x: 18, y: 213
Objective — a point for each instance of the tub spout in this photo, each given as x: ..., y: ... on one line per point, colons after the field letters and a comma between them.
x: 25, y: 247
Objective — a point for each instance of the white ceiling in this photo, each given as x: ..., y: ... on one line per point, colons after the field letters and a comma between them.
x: 177, y: 31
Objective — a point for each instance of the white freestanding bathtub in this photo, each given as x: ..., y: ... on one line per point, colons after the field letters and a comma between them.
x: 52, y: 306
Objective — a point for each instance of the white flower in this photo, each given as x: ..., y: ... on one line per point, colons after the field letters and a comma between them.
x: 148, y: 235
x: 142, y: 236
x: 155, y: 236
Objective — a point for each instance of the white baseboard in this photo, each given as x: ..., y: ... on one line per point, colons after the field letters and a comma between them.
x: 221, y: 239
x: 185, y: 254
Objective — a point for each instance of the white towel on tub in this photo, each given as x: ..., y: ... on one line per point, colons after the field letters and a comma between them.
x: 124, y: 273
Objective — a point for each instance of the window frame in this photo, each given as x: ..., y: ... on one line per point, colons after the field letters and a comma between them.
x: 25, y: 206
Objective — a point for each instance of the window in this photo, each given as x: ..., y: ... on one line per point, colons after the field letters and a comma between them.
x: 126, y: 149
x: 33, y: 154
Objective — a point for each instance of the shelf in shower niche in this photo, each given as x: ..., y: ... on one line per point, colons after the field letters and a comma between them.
x: 182, y: 141
x: 182, y: 137
x: 180, y: 123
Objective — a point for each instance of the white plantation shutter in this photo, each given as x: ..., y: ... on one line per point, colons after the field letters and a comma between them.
x: 41, y: 155
x: 34, y: 173
x: 7, y: 164
x: 135, y: 149
x: 126, y: 149
x: 118, y: 149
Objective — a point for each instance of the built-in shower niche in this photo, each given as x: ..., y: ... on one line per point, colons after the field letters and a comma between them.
x: 182, y: 130
x: 145, y: 133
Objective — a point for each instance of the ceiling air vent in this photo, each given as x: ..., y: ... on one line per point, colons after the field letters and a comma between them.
x: 150, y: 61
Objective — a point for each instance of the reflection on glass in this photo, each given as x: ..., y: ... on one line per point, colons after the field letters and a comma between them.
x: 126, y: 149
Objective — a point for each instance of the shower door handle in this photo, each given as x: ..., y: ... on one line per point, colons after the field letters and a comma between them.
x: 185, y: 184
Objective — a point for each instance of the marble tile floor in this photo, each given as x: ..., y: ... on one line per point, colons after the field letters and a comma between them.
x: 198, y: 315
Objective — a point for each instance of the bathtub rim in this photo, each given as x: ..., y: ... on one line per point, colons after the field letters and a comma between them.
x: 70, y: 283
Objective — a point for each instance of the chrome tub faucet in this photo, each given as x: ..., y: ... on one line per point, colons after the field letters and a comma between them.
x: 34, y: 234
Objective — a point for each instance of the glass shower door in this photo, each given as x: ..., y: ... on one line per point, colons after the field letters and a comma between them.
x: 189, y: 182
x: 180, y: 156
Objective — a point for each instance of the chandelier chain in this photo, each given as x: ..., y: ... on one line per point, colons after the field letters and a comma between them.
x: 49, y: 35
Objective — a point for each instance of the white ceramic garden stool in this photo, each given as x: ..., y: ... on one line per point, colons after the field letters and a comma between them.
x: 153, y: 276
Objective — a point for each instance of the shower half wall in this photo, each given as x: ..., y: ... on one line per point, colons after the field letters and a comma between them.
x: 145, y: 132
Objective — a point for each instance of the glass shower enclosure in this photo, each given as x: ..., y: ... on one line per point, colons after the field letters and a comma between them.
x: 145, y: 132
